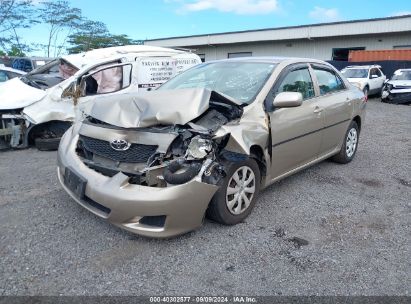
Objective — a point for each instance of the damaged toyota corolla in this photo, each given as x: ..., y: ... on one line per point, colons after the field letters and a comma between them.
x: 207, y: 141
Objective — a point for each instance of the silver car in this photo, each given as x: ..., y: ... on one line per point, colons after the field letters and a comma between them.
x: 207, y: 141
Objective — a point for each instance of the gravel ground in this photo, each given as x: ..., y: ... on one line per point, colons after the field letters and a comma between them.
x: 329, y: 230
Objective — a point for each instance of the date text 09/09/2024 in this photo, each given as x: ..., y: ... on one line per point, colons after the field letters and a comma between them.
x: 205, y: 299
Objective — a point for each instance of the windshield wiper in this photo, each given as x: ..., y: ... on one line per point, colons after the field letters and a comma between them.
x: 25, y: 79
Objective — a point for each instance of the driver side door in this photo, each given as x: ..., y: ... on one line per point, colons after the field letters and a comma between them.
x: 105, y: 80
x: 296, y: 133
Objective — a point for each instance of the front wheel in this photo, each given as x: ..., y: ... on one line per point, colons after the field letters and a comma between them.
x: 350, y: 144
x: 236, y: 196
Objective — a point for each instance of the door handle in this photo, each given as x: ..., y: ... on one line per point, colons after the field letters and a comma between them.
x: 318, y: 110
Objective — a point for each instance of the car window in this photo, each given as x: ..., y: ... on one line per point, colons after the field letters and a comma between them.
x: 3, y: 76
x: 241, y: 81
x: 297, y: 81
x: 401, y: 75
x: 328, y: 81
x: 109, y: 80
x: 377, y: 72
x: 355, y: 73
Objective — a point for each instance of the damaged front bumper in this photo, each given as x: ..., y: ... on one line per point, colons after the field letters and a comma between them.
x: 397, y: 96
x: 149, y: 211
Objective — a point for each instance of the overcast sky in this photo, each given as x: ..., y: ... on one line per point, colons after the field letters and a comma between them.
x: 147, y: 19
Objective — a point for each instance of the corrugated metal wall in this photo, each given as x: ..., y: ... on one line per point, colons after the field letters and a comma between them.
x: 319, y: 48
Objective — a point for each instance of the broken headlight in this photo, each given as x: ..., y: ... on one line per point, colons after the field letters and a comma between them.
x: 199, y: 148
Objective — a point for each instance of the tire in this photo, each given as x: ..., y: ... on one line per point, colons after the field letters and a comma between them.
x: 219, y: 210
x: 349, y: 146
x: 172, y: 174
x: 47, y: 144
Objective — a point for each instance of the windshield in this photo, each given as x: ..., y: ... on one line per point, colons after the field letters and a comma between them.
x: 239, y: 80
x: 402, y: 75
x: 355, y: 73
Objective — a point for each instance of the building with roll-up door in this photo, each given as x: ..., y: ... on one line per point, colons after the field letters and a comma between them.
x: 326, y: 41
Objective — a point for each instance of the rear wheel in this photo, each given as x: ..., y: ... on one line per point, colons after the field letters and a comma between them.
x: 350, y: 144
x: 235, y: 198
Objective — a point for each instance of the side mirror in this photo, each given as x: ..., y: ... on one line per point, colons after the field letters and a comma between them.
x: 288, y: 100
x: 374, y: 76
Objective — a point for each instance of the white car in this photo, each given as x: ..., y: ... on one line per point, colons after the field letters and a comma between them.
x: 368, y: 78
x: 9, y: 73
x: 40, y: 106
x: 398, y: 89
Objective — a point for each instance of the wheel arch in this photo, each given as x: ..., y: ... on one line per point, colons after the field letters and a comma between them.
x: 257, y: 153
x: 357, y: 119
x: 53, y: 125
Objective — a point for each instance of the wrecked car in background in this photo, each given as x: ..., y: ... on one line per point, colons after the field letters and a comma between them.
x: 40, y: 106
x: 368, y: 78
x: 8, y: 73
x: 207, y: 141
x: 398, y: 89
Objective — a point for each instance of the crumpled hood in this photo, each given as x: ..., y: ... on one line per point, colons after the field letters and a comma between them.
x: 15, y: 94
x: 167, y: 107
x: 400, y: 83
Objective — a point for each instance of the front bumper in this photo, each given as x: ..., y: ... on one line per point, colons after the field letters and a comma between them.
x: 125, y: 205
x: 397, y: 97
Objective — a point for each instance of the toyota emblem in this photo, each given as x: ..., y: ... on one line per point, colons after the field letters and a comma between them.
x: 120, y: 144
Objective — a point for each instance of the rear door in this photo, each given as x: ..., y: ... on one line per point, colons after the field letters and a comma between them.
x: 295, y: 132
x: 334, y: 100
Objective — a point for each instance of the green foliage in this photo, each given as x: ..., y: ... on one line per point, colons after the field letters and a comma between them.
x: 15, y: 15
x: 61, y: 20
x: 65, y: 25
x: 94, y: 35
x: 16, y: 51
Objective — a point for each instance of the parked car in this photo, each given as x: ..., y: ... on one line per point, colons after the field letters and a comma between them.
x: 28, y: 64
x: 398, y: 89
x: 368, y: 78
x: 8, y: 73
x: 39, y: 107
x: 207, y: 141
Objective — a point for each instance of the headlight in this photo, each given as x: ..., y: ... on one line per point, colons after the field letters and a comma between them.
x: 199, y: 148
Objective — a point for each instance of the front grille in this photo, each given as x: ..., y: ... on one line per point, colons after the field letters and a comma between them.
x: 137, y: 153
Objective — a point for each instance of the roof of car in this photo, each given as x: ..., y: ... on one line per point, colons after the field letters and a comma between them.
x: 97, y: 55
x: 363, y: 66
x: 271, y: 59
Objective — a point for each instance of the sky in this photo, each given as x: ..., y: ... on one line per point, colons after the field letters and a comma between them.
x: 149, y: 19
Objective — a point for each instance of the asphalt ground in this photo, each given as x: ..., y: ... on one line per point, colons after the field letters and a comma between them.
x: 329, y: 230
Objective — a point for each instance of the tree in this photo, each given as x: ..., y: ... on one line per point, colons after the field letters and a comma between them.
x: 62, y: 20
x: 16, y: 51
x: 95, y: 35
x: 14, y: 15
